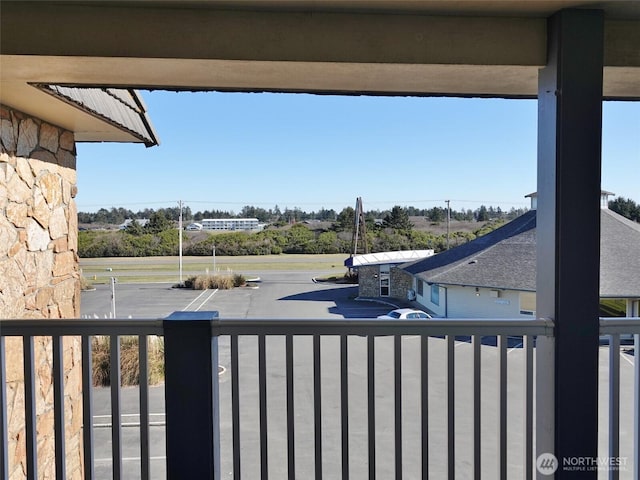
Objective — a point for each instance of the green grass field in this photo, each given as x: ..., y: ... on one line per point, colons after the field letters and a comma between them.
x: 167, y: 269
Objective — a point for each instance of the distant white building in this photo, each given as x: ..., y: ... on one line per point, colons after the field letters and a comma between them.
x: 230, y: 224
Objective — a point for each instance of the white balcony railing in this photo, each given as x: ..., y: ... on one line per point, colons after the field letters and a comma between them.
x: 628, y: 329
x: 361, y: 398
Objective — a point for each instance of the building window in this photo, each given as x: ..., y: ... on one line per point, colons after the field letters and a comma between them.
x: 385, y: 280
x: 435, y: 294
x: 420, y: 287
x: 527, y: 303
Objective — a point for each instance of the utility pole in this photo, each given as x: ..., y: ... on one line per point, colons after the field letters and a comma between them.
x: 214, y: 258
x: 448, y: 221
x: 180, y: 239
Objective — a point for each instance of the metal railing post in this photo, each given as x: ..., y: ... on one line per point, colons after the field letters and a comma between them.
x: 614, y: 402
x: 636, y: 406
x: 87, y: 407
x: 191, y: 396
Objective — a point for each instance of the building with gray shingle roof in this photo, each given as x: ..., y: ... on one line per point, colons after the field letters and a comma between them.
x: 503, y: 258
x: 619, y: 256
x: 495, y: 275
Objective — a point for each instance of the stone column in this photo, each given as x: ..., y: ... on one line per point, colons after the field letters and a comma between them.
x: 39, y: 277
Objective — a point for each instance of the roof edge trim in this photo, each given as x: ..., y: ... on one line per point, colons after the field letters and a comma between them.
x: 147, y: 136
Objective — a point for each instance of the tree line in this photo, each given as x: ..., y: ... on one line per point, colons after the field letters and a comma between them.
x: 626, y: 207
x: 158, y: 237
x: 117, y: 216
x: 297, y: 238
x: 393, y: 232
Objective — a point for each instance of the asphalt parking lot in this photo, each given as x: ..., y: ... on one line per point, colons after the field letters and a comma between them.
x: 279, y: 295
x: 295, y: 295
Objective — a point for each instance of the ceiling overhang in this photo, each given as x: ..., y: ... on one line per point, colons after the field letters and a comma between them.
x: 491, y: 49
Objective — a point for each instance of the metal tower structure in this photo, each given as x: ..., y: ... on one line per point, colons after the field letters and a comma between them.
x: 359, y: 230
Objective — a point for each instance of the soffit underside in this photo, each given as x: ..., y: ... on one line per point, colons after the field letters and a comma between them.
x: 323, y: 78
x: 165, y: 47
x: 538, y: 8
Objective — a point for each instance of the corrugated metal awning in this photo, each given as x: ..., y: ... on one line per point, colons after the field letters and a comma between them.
x: 386, y: 257
x: 122, y: 108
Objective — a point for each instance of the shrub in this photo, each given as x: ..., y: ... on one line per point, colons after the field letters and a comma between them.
x: 129, y: 361
x: 221, y: 282
x: 101, y: 364
x: 351, y: 277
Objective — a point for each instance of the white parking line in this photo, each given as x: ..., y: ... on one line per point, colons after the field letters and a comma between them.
x: 199, y: 297
x: 520, y: 346
x: 206, y: 300
x: 126, y: 459
x: 129, y: 424
x: 102, y: 424
x: 624, y: 355
x: 195, y: 300
x: 127, y: 415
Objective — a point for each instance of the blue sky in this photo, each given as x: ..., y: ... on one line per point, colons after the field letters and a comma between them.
x: 227, y: 150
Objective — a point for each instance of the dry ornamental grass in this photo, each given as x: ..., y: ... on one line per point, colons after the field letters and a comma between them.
x: 221, y: 282
x: 129, y: 361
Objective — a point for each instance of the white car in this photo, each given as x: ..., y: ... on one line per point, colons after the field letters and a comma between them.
x: 406, y: 314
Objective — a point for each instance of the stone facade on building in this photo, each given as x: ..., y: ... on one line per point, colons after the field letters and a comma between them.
x: 368, y: 281
x: 39, y: 279
x: 400, y: 283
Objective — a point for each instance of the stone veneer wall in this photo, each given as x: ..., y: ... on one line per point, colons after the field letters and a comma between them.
x: 39, y: 278
x: 368, y: 281
x: 369, y: 284
x: 401, y: 282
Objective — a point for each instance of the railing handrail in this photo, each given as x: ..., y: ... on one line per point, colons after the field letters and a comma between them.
x: 288, y: 326
x: 352, y: 326
x: 613, y: 325
x: 381, y: 327
x: 71, y: 327
x: 296, y: 326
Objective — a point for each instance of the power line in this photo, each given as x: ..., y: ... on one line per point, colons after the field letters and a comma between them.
x: 232, y: 207
x: 300, y: 204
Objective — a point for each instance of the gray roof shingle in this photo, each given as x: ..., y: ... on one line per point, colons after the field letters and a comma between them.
x: 619, y: 256
x: 506, y: 258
